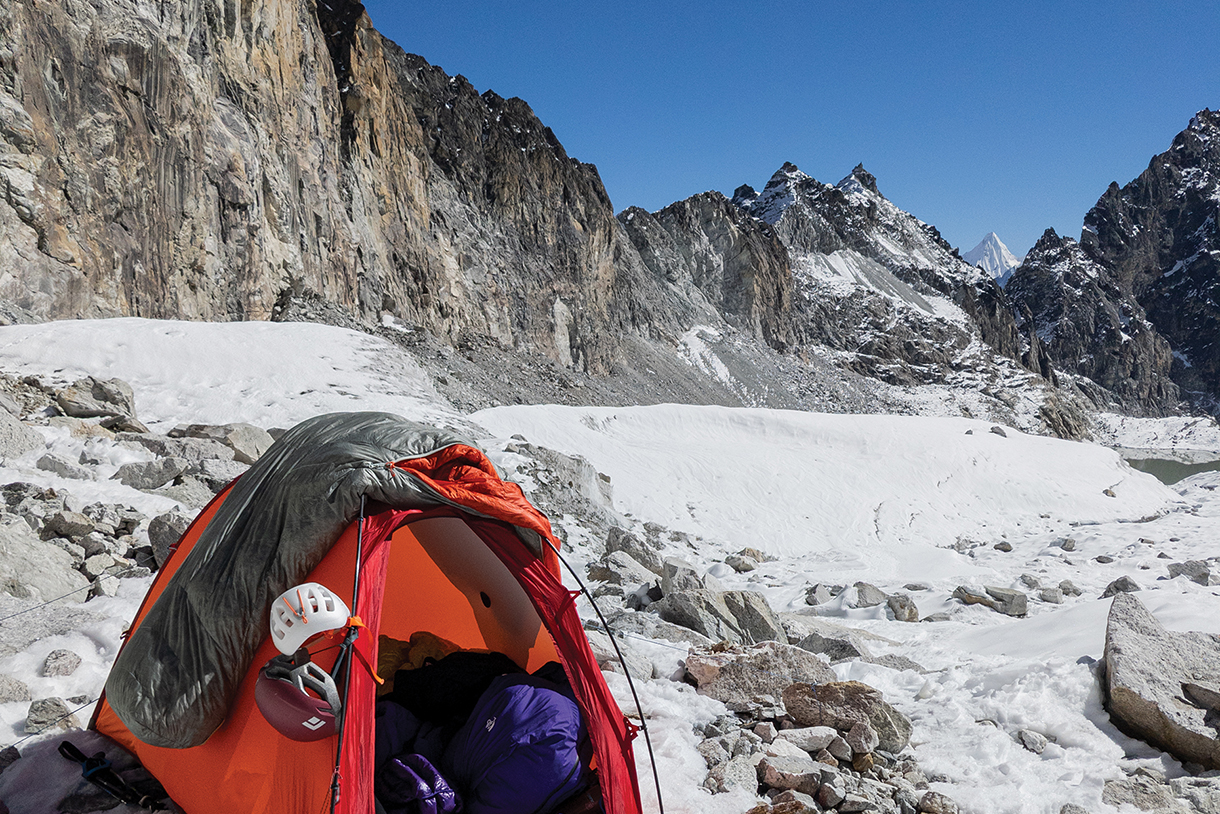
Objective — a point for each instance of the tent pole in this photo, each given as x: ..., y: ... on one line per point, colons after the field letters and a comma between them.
x: 349, y: 641
x: 652, y: 758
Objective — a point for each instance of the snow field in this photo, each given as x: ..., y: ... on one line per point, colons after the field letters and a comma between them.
x: 884, y: 499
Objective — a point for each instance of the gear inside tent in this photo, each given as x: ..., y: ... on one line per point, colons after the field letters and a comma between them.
x: 434, y: 554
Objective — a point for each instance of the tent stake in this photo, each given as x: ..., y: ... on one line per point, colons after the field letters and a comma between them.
x: 652, y: 758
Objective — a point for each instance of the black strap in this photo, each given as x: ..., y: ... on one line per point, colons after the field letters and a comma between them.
x: 97, y: 770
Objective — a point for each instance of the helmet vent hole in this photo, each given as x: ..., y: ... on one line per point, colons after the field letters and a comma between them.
x: 486, y: 599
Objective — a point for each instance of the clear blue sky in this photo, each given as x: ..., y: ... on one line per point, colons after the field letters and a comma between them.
x: 974, y: 116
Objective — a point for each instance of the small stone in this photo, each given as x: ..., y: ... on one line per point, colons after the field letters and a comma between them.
x: 1068, y: 544
x: 1194, y: 570
x: 740, y: 564
x: 105, y: 585
x: 765, y: 730
x: 13, y: 689
x: 1031, y: 582
x: 91, y: 398
x: 1108, y: 493
x: 1004, y: 546
x: 737, y: 772
x: 817, y: 595
x: 939, y: 616
x: 840, y: 749
x: 678, y: 575
x: 936, y: 803
x: 1072, y: 808
x: 861, y: 738
x: 1068, y: 588
x: 785, y: 772
x: 150, y: 474
x: 835, y: 645
x: 49, y: 713
x: 60, y: 663
x: 1104, y: 559
x: 97, y: 565
x: 1053, y: 596
x: 998, y: 430
x: 812, y: 739
x: 1122, y: 585
x: 794, y: 796
x: 784, y: 748
x: 1033, y: 741
x: 123, y: 423
x: 854, y: 803
x: 756, y: 555
x: 903, y: 608
x: 869, y: 596
x: 164, y: 531
x: 69, y: 524
x: 972, y: 596
x: 830, y: 795
x: 1008, y: 601
x: 620, y: 568
x: 56, y: 465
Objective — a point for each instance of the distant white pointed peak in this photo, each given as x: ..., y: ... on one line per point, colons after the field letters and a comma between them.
x: 993, y: 257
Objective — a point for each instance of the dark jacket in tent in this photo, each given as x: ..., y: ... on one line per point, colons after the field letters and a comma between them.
x: 448, y: 550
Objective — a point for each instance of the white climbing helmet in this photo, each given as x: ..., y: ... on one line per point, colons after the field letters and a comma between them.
x: 303, y: 612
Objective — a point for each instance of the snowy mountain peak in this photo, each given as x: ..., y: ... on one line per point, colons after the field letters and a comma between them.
x: 993, y: 256
x: 864, y: 178
x: 777, y: 196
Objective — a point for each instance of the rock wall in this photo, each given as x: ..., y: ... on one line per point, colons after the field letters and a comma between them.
x: 210, y: 160
x: 1159, y: 239
x: 1078, y: 316
x: 711, y: 248
x: 1134, y: 306
x: 166, y: 159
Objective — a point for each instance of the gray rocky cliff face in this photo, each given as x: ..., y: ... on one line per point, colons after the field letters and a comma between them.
x: 167, y: 160
x: 1159, y: 239
x: 1077, y: 315
x: 215, y: 160
x: 705, y: 244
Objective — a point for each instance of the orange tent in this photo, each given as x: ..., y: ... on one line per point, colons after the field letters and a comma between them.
x: 445, y: 547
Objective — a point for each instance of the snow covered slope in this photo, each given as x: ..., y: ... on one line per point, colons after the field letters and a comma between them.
x: 914, y: 504
x: 842, y: 494
x: 993, y: 257
x: 269, y: 374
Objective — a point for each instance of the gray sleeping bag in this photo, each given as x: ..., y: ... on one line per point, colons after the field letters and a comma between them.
x: 175, y: 680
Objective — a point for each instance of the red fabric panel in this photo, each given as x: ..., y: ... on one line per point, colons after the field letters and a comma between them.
x: 359, y: 737
x: 465, y: 476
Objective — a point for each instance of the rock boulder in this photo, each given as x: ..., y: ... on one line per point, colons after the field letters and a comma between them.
x: 16, y: 438
x: 742, y: 673
x: 93, y: 398
x: 1145, y: 670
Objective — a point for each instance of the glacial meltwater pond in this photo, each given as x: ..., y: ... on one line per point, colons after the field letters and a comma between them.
x: 1171, y: 466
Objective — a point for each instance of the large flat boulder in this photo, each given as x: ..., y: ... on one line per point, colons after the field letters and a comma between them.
x: 740, y: 674
x: 734, y: 616
x: 843, y: 704
x: 33, y: 569
x: 91, y: 397
x: 1146, y: 668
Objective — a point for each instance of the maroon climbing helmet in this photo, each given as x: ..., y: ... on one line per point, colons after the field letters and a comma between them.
x: 298, y: 697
